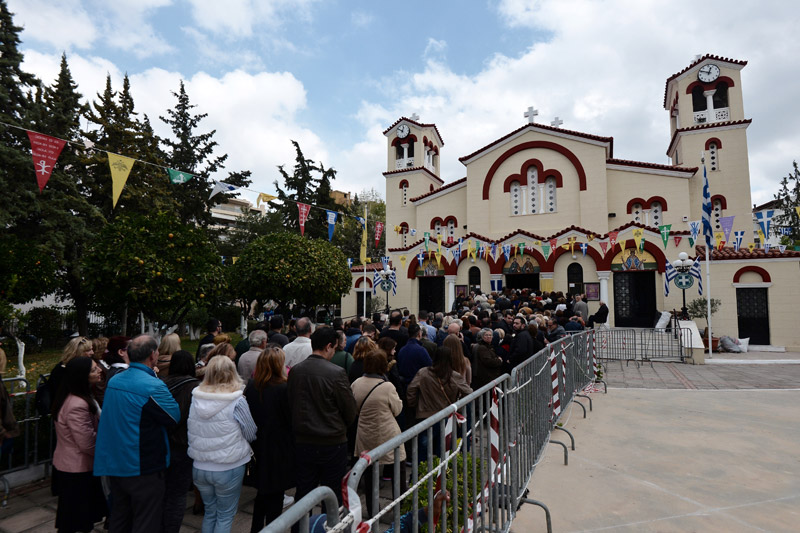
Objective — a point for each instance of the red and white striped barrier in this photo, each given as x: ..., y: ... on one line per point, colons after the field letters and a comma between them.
x: 556, y: 401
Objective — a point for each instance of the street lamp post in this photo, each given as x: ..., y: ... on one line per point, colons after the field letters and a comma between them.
x: 683, y: 280
x: 386, y: 285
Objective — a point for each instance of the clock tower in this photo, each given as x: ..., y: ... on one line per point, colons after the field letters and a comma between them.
x: 707, y: 122
x: 412, y: 169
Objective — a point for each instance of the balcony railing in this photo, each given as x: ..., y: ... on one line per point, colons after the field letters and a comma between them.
x: 718, y: 115
x: 404, y: 163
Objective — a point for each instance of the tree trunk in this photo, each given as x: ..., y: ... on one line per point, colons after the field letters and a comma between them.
x: 82, y: 313
x: 124, y: 332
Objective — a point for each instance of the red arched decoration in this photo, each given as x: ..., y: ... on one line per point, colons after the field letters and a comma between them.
x: 547, y: 145
x: 403, y: 183
x: 633, y: 201
x: 722, y: 201
x: 398, y: 140
x: 454, y: 219
x: 709, y: 86
x: 360, y: 279
x: 713, y: 140
x: 651, y: 247
x: 431, y: 187
x: 659, y: 199
x: 511, y: 179
x: 404, y: 227
x: 435, y: 220
x: 591, y: 252
x: 758, y: 270
x: 436, y: 150
x: 541, y: 173
x: 552, y: 174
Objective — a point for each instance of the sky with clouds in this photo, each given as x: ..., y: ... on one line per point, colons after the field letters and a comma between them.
x: 333, y: 74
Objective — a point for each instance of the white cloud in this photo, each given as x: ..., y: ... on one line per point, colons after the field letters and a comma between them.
x: 237, y: 18
x: 435, y: 49
x: 361, y: 19
x: 63, y: 25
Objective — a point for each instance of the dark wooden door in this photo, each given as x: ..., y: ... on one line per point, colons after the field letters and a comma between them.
x: 431, y: 294
x: 634, y: 299
x: 753, y: 310
x: 523, y: 281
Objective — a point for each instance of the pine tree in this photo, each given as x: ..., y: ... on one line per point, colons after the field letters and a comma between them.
x: 194, y: 153
x: 788, y: 198
x: 308, y: 189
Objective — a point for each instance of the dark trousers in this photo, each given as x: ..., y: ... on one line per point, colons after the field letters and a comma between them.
x: 266, y: 507
x: 320, y: 465
x: 138, y: 503
x: 178, y: 480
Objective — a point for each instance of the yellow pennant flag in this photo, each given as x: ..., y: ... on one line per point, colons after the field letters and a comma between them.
x: 397, y: 229
x: 590, y: 237
x: 751, y: 246
x: 438, y: 260
x: 264, y: 197
x: 538, y: 243
x: 718, y: 237
x: 798, y: 210
x: 762, y: 237
x: 403, y: 260
x: 572, y: 244
x: 565, y: 246
x: 120, y: 169
x: 364, y: 247
x: 637, y: 237
x: 234, y: 259
x: 439, y: 252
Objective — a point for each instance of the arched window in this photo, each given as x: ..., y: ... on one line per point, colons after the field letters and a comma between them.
x: 699, y: 102
x: 451, y: 229
x: 713, y: 156
x: 575, y: 278
x: 404, y: 192
x: 533, y: 190
x: 516, y: 198
x: 437, y: 228
x: 550, y: 200
x: 637, y: 212
x: 717, y: 214
x: 404, y: 233
x: 655, y: 214
x: 720, y: 97
x: 474, y: 277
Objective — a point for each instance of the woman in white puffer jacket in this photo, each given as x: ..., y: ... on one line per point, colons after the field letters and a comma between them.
x: 220, y: 430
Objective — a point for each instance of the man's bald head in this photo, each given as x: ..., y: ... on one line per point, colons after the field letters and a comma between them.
x: 453, y: 329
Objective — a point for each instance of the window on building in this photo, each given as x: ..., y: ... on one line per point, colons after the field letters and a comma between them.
x: 720, y: 97
x: 516, y: 198
x: 717, y: 215
x: 437, y: 228
x: 713, y: 156
x: 637, y: 212
x: 699, y: 102
x: 656, y: 214
x: 575, y: 278
x: 533, y: 190
x: 405, y: 194
x: 551, y: 202
x: 474, y: 277
x: 451, y: 229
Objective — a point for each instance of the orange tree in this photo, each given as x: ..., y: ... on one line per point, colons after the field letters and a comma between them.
x: 155, y: 264
x: 286, y: 267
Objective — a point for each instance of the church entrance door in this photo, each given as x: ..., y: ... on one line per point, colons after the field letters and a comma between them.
x: 522, y: 281
x: 753, y: 311
x: 431, y: 294
x: 634, y: 299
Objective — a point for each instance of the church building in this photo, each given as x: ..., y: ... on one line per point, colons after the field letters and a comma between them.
x: 547, y: 208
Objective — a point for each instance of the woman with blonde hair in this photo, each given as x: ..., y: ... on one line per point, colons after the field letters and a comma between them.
x: 460, y: 362
x: 220, y: 429
x: 169, y: 345
x: 76, y: 347
x: 362, y: 347
x: 267, y: 396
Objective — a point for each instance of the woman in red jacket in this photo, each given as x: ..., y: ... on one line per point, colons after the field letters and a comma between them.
x: 76, y: 413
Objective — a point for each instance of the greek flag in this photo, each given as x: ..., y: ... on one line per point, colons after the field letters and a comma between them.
x: 708, y: 231
x: 695, y: 271
x: 385, y: 261
x: 764, y: 219
x: 393, y: 279
x: 669, y: 275
x: 376, y: 280
x: 221, y: 187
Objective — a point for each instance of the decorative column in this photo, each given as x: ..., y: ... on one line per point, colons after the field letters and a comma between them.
x: 451, y: 291
x: 546, y: 281
x: 710, y: 105
x: 405, y: 150
x: 603, y: 276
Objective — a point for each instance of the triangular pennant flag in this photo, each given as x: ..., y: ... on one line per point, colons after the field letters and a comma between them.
x: 494, y: 251
x: 565, y: 246
x: 762, y: 236
x: 553, y: 243
x: 363, y: 253
x: 349, y: 262
x: 764, y: 219
x: 439, y: 244
x: 590, y: 237
x: 507, y: 251
x: 612, y: 239
x: 546, y: 251
x: 264, y: 197
x: 45, y: 151
x: 397, y: 229
x: 694, y: 228
x: 403, y: 260
x: 177, y: 177
x: 303, y: 210
x: 738, y: 236
x: 421, y: 257
x: 220, y: 187
x: 727, y: 225
x: 361, y: 221
x: 767, y: 247
x: 378, y: 232
x: 234, y: 259
x: 120, y: 169
x: 571, y: 241
x: 584, y: 247
x: 637, y: 237
x: 664, y: 231
x: 677, y: 239
x: 604, y: 247
x: 798, y: 210
x: 719, y: 237
x: 751, y: 246
x: 691, y: 241
x: 641, y: 244
x: 331, y: 215
x: 439, y: 260
x: 385, y: 262
x: 781, y: 248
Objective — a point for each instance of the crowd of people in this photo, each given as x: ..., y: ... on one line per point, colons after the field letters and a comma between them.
x: 293, y: 405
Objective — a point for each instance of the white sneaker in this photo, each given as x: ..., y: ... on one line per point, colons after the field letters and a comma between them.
x: 287, y: 500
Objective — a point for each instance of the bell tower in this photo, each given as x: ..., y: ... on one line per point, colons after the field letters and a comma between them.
x: 412, y: 169
x: 707, y: 121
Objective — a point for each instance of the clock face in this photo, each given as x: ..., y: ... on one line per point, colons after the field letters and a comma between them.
x: 403, y: 131
x: 708, y: 73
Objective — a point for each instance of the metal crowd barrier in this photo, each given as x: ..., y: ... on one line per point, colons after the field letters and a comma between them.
x: 489, y: 444
x: 642, y: 345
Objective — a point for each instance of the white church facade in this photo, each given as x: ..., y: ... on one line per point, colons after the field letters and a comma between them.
x: 552, y: 209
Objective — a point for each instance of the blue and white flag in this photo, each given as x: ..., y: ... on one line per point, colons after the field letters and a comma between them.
x: 362, y: 222
x: 767, y: 247
x: 507, y: 251
x: 376, y: 280
x: 331, y: 215
x: 413, y: 232
x: 494, y: 250
x: 764, y: 219
x: 708, y: 230
x: 385, y: 261
x: 349, y: 262
x: 781, y: 248
x: 393, y: 280
x: 695, y: 272
x: 221, y: 187
x: 784, y: 230
x: 694, y: 227
x: 421, y: 256
x: 738, y: 236
x: 584, y: 247
x: 669, y: 275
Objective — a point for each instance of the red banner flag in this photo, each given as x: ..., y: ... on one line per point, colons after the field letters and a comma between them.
x: 604, y: 246
x: 45, y: 151
x: 612, y: 238
x: 304, y: 209
x: 677, y: 239
x: 553, y: 243
x: 378, y: 231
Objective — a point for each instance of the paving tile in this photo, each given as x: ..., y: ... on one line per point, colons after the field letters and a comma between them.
x: 26, y: 520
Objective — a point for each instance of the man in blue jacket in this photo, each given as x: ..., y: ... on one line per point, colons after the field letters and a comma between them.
x: 132, y: 446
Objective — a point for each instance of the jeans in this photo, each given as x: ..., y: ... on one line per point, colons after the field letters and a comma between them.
x: 220, y: 492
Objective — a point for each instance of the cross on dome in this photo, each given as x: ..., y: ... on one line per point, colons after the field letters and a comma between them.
x: 415, y: 117
x: 557, y: 122
x: 530, y: 114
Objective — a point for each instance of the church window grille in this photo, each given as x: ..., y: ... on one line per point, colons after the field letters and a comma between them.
x: 717, y: 215
x: 713, y: 156
x: 533, y: 186
x: 655, y: 213
x: 451, y: 229
x: 550, y: 197
x: 516, y: 198
x: 637, y: 212
x: 405, y: 194
x: 437, y: 228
